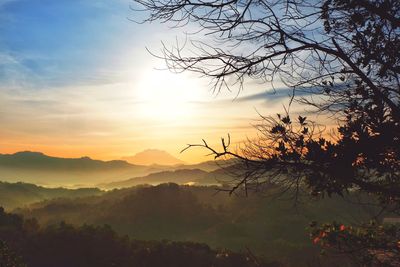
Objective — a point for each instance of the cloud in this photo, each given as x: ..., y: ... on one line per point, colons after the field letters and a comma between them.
x: 17, y: 71
x: 60, y: 43
x: 273, y: 95
x: 70, y: 73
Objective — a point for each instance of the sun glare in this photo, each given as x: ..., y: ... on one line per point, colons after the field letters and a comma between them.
x: 166, y: 96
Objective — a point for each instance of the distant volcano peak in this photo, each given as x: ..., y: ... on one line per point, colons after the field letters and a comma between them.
x: 153, y: 156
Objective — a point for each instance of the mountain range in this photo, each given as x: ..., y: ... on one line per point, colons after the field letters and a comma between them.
x: 41, y: 169
x: 182, y: 176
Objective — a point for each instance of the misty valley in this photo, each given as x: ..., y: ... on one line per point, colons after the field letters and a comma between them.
x: 175, y: 215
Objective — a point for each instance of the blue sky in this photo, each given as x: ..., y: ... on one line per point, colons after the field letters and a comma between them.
x: 75, y: 79
x: 49, y: 42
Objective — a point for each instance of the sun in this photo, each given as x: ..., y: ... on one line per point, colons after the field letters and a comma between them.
x: 165, y: 96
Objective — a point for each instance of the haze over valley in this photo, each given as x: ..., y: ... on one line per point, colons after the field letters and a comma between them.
x: 38, y: 168
x: 184, y: 203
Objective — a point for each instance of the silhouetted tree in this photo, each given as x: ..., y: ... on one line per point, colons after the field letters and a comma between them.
x: 339, y: 56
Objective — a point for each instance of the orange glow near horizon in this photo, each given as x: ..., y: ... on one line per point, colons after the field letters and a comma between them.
x: 192, y: 156
x: 100, y: 94
x: 114, y: 148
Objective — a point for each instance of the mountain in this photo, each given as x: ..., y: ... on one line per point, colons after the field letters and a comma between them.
x: 38, y: 168
x: 153, y: 156
x: 179, y: 176
x: 209, y: 166
x: 13, y: 195
x: 183, y: 176
x: 38, y: 160
x: 41, y: 169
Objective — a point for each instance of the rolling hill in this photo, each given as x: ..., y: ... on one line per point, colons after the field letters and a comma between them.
x: 197, y: 214
x: 41, y: 169
x: 179, y: 176
x: 183, y: 176
x: 13, y: 195
x: 38, y: 168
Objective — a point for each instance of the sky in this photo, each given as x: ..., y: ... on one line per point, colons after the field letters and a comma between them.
x: 76, y: 80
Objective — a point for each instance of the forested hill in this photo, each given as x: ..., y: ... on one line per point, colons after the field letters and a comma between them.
x: 13, y: 195
x: 180, y: 176
x: 274, y: 228
x: 25, y: 243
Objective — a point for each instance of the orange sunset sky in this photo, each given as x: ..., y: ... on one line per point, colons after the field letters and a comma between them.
x: 76, y: 80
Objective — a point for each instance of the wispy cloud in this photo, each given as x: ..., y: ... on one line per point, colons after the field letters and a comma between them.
x: 273, y: 95
x: 74, y: 75
x: 58, y: 43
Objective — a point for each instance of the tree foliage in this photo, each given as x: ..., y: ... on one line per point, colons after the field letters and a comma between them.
x: 370, y: 244
x: 8, y: 258
x: 339, y: 56
x: 343, y: 54
x: 64, y: 245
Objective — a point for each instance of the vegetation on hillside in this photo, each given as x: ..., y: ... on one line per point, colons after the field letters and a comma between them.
x: 13, y: 195
x: 63, y: 245
x: 272, y: 229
